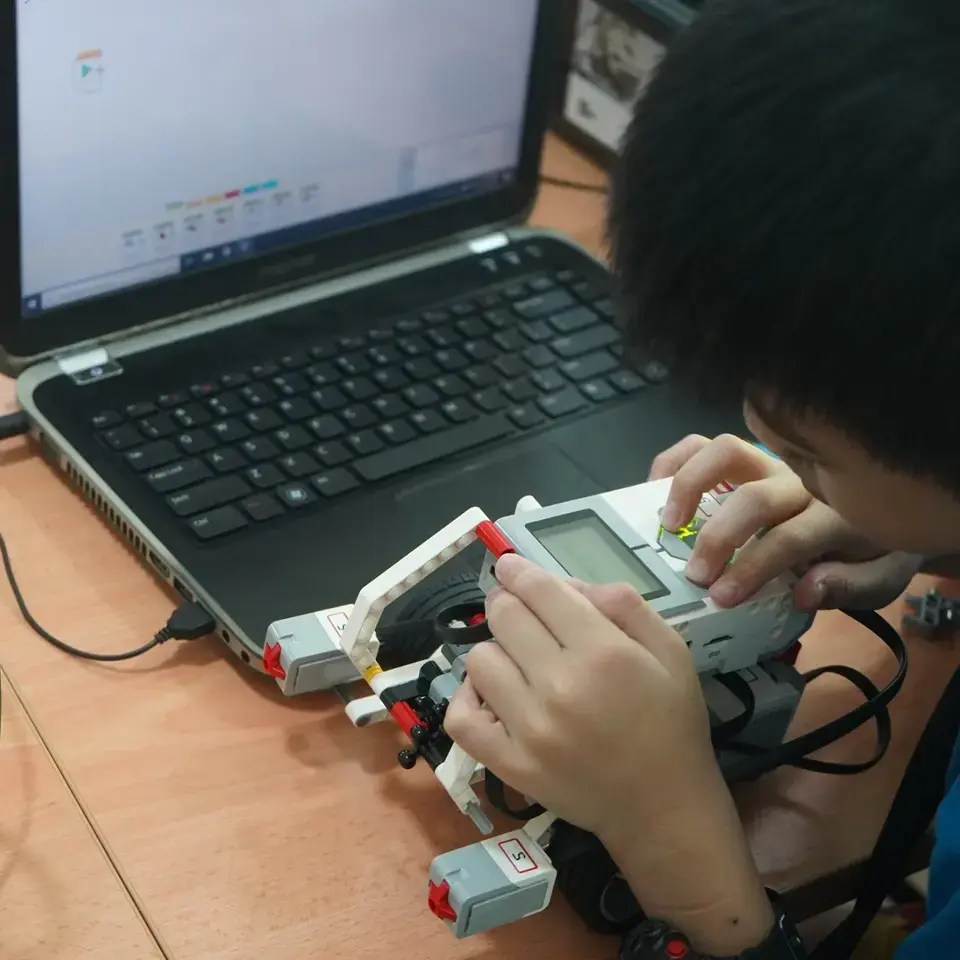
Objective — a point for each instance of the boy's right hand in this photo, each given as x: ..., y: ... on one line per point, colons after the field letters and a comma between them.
x: 837, y: 567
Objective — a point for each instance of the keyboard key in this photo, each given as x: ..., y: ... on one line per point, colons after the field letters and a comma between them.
x: 136, y: 411
x: 122, y: 438
x: 585, y: 342
x: 358, y: 417
x: 332, y: 454
x: 606, y: 308
x: 258, y: 394
x: 226, y: 405
x: 443, y: 337
x: 499, y: 319
x: 397, y: 431
x: 360, y: 388
x: 414, y: 346
x: 414, y: 324
x: 259, y: 449
x: 591, y: 366
x: 290, y: 384
x: 510, y: 365
x: 590, y: 290
x: 510, y: 340
x: 626, y: 381
x: 263, y: 420
x: 438, y: 446
x: 328, y: 398
x: 233, y: 380
x: 333, y: 483
x: 297, y: 408
x: 463, y: 308
x: 422, y: 368
x: 525, y: 416
x: 451, y: 386
x: 520, y: 390
x: 293, y: 438
x: 190, y: 416
x: 176, y: 399
x: 479, y: 351
x: 294, y: 360
x: 384, y: 356
x: 323, y: 351
x: 152, y: 455
x: 566, y: 276
x: 295, y: 495
x: 195, y: 441
x: 201, y: 391
x: 472, y: 328
x: 435, y: 316
x: 516, y: 291
x: 429, y: 421
x: 354, y: 365
x: 177, y: 475
x: 490, y: 399
x: 299, y: 465
x: 326, y: 427
x: 539, y: 356
x: 392, y: 379
x: 158, y: 427
x: 548, y: 380
x: 352, y: 343
x: 390, y: 406
x: 459, y: 411
x: 570, y: 321
x: 537, y: 331
x: 541, y: 284
x: 599, y: 391
x: 263, y: 370
x: 561, y: 403
x: 420, y: 395
x: 544, y: 304
x: 217, y: 523
x: 229, y: 431
x: 226, y: 460
x: 322, y: 374
x: 482, y: 376
x: 260, y: 507
x: 451, y: 360
x: 206, y: 496
x: 264, y: 476
x: 365, y: 443
x: 105, y: 419
x: 488, y: 300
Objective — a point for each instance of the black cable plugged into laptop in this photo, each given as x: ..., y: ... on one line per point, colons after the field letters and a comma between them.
x: 188, y: 622
x: 14, y: 424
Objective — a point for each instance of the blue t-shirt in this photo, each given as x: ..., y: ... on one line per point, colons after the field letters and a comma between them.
x: 940, y: 935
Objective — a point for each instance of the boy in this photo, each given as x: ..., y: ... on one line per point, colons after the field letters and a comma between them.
x: 786, y: 227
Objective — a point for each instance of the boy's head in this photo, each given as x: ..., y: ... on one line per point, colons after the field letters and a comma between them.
x: 786, y: 228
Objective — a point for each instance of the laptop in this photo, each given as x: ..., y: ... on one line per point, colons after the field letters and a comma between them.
x: 277, y: 316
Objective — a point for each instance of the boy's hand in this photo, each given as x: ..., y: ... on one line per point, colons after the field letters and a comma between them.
x: 838, y: 567
x: 589, y: 703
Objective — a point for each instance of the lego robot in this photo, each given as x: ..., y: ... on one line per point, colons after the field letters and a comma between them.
x: 932, y: 616
x: 744, y: 656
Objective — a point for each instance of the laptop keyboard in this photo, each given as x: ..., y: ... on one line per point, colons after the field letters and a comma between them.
x: 250, y: 446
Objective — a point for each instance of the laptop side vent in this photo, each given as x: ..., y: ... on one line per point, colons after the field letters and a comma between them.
x: 104, y: 508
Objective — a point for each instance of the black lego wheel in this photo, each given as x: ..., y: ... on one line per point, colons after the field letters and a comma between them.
x: 591, y: 883
x: 398, y: 647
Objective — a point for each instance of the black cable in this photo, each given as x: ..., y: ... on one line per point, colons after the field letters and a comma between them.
x: 188, y: 622
x: 14, y: 425
x: 565, y: 184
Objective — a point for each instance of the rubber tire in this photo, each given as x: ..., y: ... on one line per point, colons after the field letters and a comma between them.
x: 460, y: 588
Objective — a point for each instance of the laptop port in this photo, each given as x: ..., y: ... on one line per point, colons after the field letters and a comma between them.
x: 184, y: 591
x: 160, y: 566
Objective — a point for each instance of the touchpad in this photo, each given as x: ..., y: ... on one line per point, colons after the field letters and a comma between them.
x: 497, y: 482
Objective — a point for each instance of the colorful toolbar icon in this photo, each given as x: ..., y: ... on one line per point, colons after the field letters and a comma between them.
x: 88, y: 71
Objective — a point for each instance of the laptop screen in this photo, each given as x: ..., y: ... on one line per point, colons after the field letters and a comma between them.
x: 160, y: 138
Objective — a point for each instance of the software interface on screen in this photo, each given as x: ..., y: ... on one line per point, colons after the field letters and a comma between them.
x: 158, y: 138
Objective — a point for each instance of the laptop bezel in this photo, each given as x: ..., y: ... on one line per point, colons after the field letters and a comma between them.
x: 26, y: 340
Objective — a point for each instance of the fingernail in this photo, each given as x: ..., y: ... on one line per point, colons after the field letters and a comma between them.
x: 697, y: 570
x: 509, y: 563
x: 670, y: 517
x: 726, y: 594
x: 815, y: 595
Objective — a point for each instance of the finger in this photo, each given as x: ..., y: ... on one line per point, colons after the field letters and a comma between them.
x: 802, y: 538
x: 563, y: 611
x: 498, y: 682
x: 748, y: 510
x: 625, y: 608
x: 727, y: 458
x: 477, y: 731
x: 520, y: 633
x: 673, y: 458
x: 871, y: 585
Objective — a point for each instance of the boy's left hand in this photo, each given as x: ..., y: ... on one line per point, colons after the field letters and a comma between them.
x: 589, y: 704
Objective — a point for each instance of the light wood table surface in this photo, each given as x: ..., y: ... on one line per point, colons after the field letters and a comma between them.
x: 249, y: 826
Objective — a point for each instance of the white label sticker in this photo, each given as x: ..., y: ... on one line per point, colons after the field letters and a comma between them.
x: 339, y: 622
x: 517, y: 856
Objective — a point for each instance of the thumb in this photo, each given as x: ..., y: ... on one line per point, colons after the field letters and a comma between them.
x: 860, y: 586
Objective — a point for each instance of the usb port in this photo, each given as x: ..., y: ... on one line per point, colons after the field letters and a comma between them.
x: 184, y: 591
x: 161, y: 567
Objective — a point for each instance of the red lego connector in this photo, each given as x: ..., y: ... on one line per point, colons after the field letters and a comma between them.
x: 491, y: 537
x: 271, y: 662
x: 438, y: 900
x: 405, y: 716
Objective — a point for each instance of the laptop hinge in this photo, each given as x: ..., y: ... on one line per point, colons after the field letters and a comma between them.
x: 488, y: 242
x: 90, y: 365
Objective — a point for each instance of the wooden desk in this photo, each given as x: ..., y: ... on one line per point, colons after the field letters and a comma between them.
x: 60, y: 897
x: 251, y: 826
